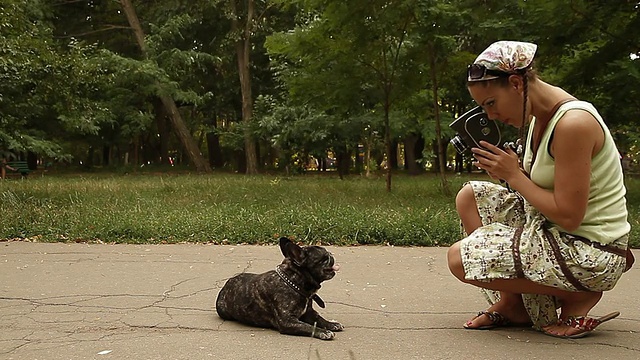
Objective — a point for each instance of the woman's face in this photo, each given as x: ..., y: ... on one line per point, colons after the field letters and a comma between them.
x: 501, y: 102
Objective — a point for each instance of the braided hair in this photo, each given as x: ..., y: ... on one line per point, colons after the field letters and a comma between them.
x: 521, y: 131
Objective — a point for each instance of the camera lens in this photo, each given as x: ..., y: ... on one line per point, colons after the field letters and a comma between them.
x: 458, y: 144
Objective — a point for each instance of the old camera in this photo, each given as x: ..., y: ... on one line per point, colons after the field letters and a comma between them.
x: 473, y: 127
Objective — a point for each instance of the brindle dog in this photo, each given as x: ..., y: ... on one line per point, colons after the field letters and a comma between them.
x: 282, y: 298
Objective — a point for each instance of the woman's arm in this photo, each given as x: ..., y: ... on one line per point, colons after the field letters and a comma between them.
x: 577, y: 137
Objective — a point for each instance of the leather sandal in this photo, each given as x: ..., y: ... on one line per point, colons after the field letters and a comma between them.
x: 497, y: 320
x: 583, y: 323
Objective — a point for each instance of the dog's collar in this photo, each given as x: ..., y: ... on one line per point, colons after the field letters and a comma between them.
x: 296, y: 288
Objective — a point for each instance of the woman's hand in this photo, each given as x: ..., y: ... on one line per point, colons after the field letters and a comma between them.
x: 498, y: 163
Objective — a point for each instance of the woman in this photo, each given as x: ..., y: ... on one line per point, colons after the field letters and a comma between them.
x: 4, y: 167
x: 557, y: 238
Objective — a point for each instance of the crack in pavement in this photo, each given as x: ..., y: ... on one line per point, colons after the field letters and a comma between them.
x: 144, y: 303
x: 73, y: 318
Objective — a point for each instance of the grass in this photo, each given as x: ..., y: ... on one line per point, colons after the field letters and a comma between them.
x: 227, y: 208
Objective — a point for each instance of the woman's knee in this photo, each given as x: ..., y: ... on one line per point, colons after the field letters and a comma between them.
x: 454, y: 261
x: 467, y: 209
x: 465, y: 199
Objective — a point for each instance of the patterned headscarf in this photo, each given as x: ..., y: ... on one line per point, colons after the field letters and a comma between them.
x: 505, y: 56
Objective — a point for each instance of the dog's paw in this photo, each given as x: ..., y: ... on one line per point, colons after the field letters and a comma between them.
x: 324, y: 334
x: 335, y: 326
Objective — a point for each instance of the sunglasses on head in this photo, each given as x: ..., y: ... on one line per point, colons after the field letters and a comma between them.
x: 478, y: 72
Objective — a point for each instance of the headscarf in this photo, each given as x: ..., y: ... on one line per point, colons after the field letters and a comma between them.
x: 505, y: 56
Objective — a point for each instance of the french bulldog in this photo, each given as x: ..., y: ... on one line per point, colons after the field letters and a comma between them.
x: 282, y: 298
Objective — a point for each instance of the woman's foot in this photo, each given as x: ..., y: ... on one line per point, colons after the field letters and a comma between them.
x: 510, y: 311
x: 573, y: 305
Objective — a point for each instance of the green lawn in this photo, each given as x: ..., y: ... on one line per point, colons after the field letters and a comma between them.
x: 227, y: 208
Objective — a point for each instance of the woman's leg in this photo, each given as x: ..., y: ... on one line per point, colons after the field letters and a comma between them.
x: 510, y: 306
x: 577, y: 305
x: 574, y: 303
x: 467, y: 209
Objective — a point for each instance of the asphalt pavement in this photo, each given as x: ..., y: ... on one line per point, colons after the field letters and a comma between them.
x: 103, y: 301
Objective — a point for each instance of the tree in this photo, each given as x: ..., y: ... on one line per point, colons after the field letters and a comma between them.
x: 243, y: 53
x: 337, y: 74
x: 48, y: 88
x: 351, y: 58
x: 169, y: 104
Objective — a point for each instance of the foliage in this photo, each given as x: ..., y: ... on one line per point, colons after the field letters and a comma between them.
x: 72, y: 78
x: 342, y: 60
x: 47, y: 88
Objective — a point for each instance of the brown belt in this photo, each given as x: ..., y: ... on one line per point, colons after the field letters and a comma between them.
x: 608, y: 248
x: 563, y: 265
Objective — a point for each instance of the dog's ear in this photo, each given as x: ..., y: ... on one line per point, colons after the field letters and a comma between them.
x: 291, y: 250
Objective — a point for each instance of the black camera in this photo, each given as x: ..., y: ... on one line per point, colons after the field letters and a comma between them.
x: 472, y: 127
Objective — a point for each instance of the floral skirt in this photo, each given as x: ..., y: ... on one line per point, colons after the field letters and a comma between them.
x: 516, y: 241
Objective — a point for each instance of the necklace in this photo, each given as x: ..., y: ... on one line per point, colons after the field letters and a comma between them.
x: 297, y: 289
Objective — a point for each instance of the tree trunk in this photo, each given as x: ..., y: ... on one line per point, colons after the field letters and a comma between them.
x: 458, y: 168
x: 106, y: 155
x: 410, y: 159
x: 418, y: 151
x: 181, y: 130
x: 387, y: 144
x: 243, y: 52
x: 32, y: 160
x: 213, y: 143
x: 136, y: 151
x: 90, y: 154
x: 161, y: 124
x: 436, y: 109
x: 343, y: 160
x: 358, y: 160
x: 367, y: 156
x: 394, y: 155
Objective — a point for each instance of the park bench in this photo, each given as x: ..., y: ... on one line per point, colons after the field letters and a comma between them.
x: 20, y: 167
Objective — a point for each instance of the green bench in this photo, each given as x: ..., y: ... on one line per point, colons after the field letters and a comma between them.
x: 20, y: 167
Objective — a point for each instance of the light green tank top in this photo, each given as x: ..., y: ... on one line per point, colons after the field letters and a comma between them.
x: 606, y: 217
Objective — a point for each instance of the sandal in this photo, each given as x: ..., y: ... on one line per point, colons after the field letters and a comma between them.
x: 497, y: 320
x: 583, y: 323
